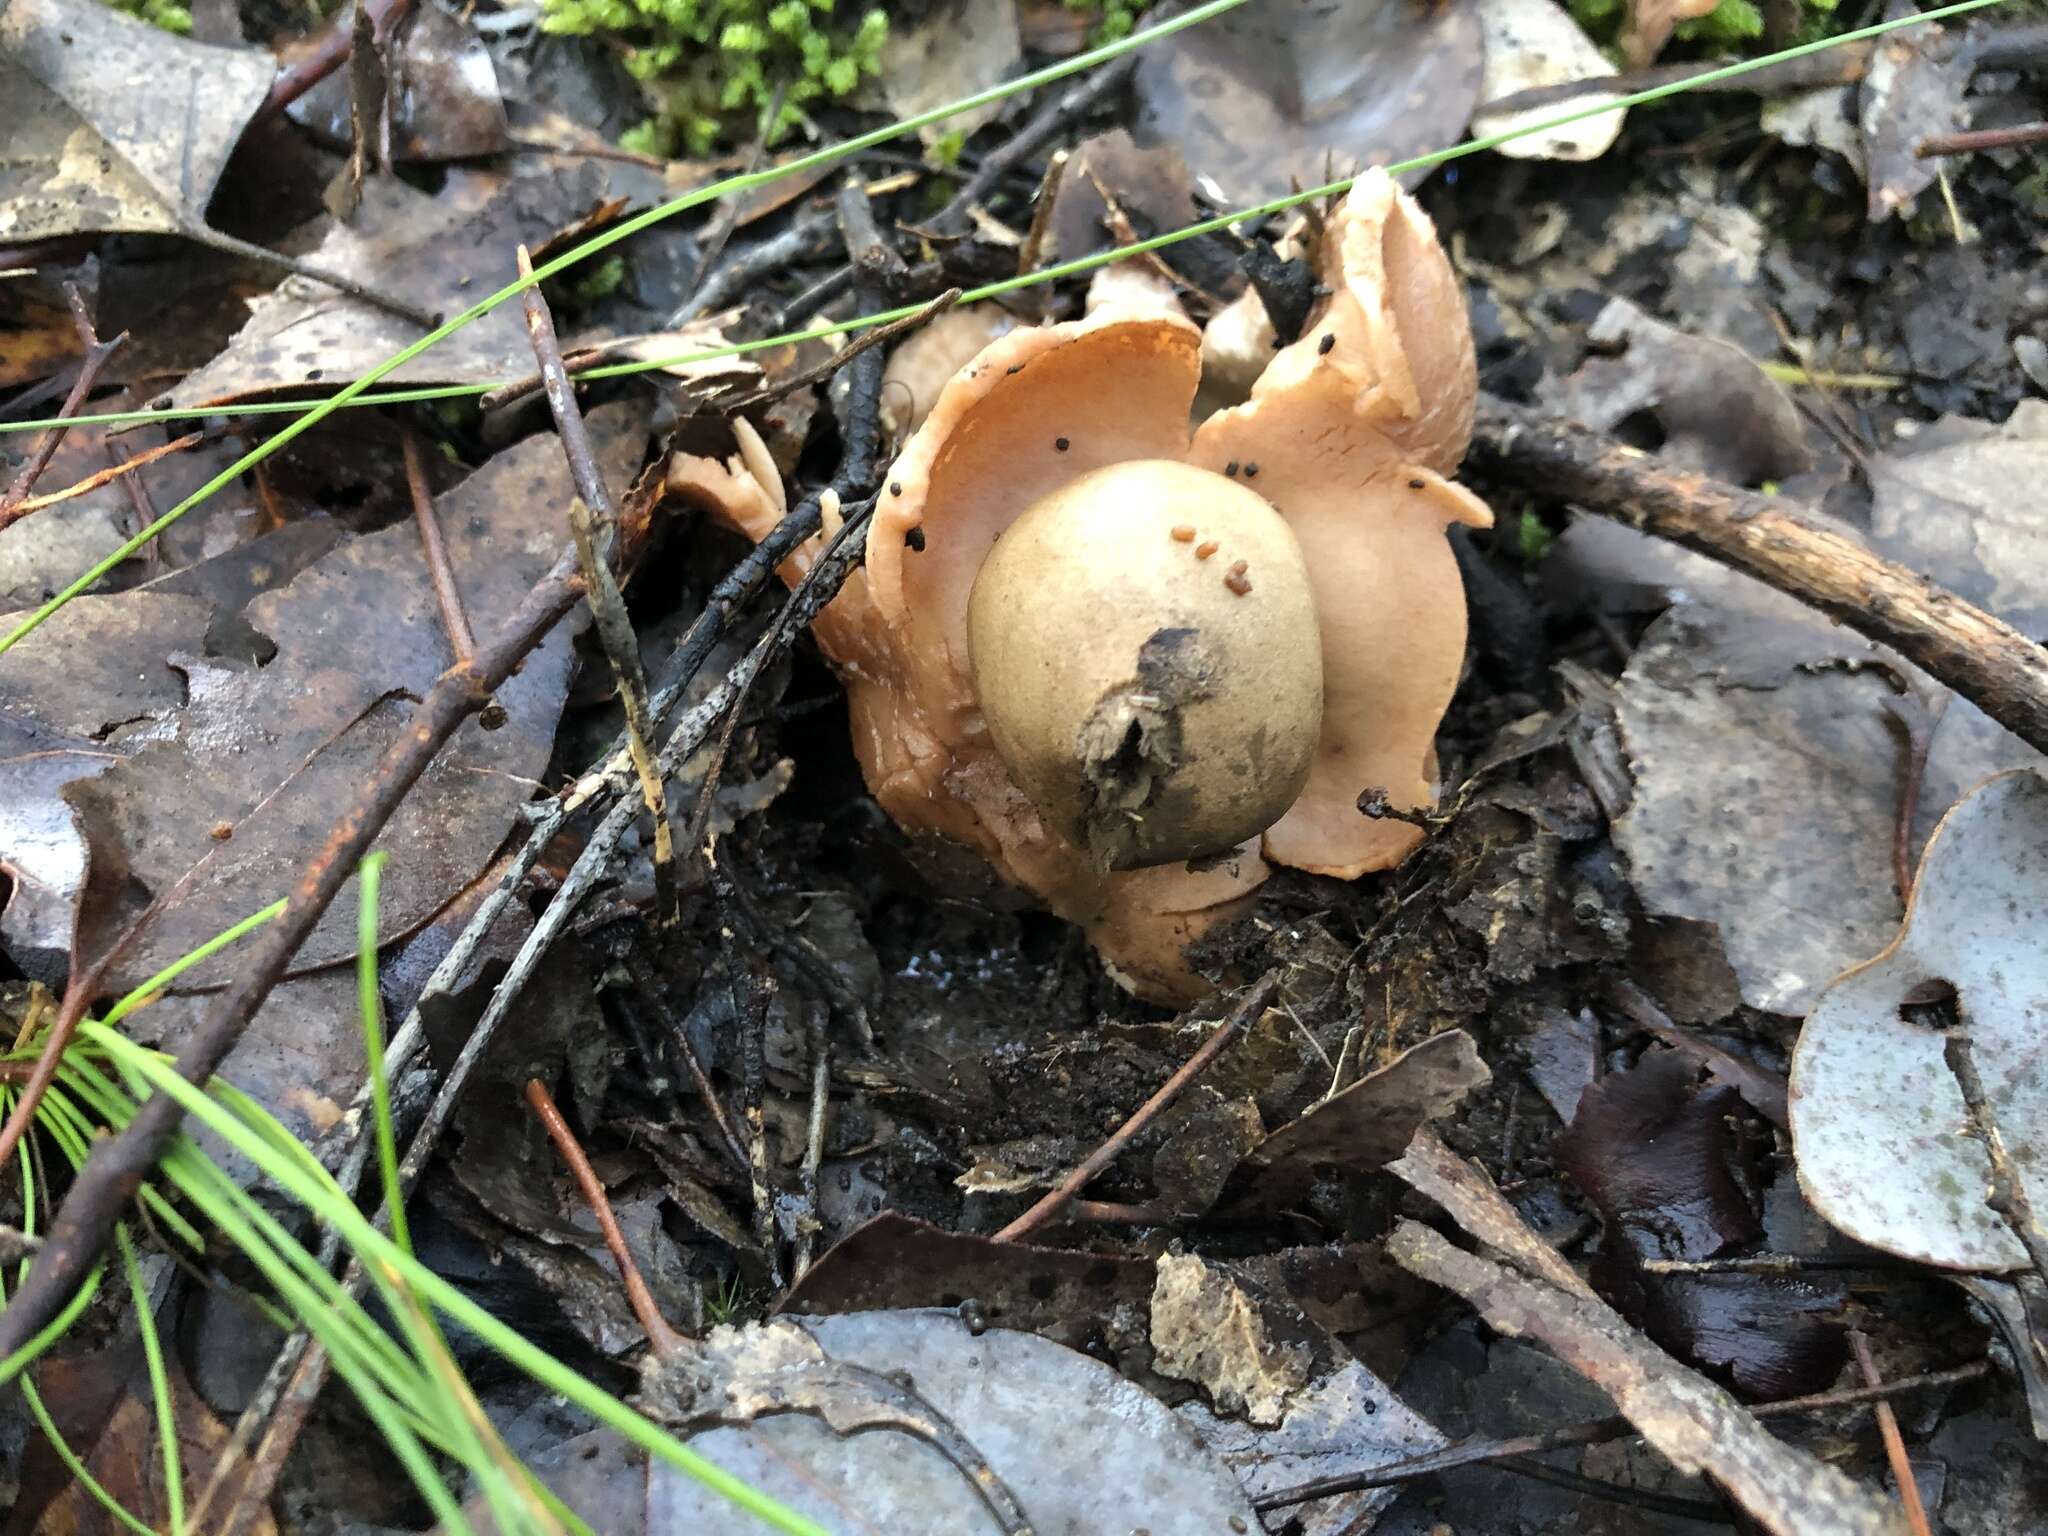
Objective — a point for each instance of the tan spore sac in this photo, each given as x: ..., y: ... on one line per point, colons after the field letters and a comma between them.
x: 1348, y: 439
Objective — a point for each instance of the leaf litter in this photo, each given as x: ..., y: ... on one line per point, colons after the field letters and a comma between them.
x: 845, y: 1070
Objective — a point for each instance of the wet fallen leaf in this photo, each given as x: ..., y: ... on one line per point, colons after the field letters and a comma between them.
x: 217, y: 820
x: 1719, y: 413
x: 443, y: 91
x: 1046, y: 1420
x: 112, y: 124
x: 1914, y: 89
x: 441, y: 253
x: 953, y: 48
x: 1531, y: 44
x: 1369, y: 1123
x: 1657, y: 1153
x: 1879, y: 1123
x: 1296, y: 92
x: 1728, y: 719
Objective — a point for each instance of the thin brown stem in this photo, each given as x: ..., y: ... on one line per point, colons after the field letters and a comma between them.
x: 111, y: 473
x: 328, y: 53
x: 583, y: 471
x: 2016, y: 137
x: 661, y: 1338
x: 1986, y: 660
x: 1894, y: 1442
x: 454, y: 618
x: 376, y: 298
x: 1249, y: 1007
x: 2007, y: 1195
x: 97, y: 355
x: 1479, y: 1450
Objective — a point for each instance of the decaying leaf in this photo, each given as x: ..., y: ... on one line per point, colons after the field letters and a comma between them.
x: 443, y: 93
x: 1297, y: 92
x: 1915, y: 89
x: 1769, y: 763
x: 1879, y: 1122
x: 1534, y: 43
x: 440, y: 253
x: 1282, y: 1401
x: 1658, y: 1154
x: 1369, y: 1123
x: 215, y: 822
x: 1718, y: 411
x: 953, y: 48
x: 112, y: 124
x: 1046, y: 1420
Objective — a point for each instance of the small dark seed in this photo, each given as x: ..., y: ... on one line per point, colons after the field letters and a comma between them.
x: 1013, y: 372
x: 1230, y: 468
x: 1414, y: 485
x: 1236, y: 580
x: 895, y: 487
x: 1323, y: 347
x: 1250, y: 470
x: 1061, y: 444
x: 914, y: 540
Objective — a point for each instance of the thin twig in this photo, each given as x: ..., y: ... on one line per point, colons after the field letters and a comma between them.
x: 805, y: 237
x: 390, y: 303
x: 2016, y: 137
x: 1987, y: 661
x: 876, y: 336
x: 113, y: 472
x: 1248, y: 1009
x: 808, y: 1221
x: 454, y: 617
x: 1894, y: 1442
x: 1481, y: 1449
x: 678, y: 1031
x: 97, y: 355
x: 661, y: 1338
x: 2008, y: 1192
x: 622, y: 650
x: 576, y: 447
x: 327, y: 54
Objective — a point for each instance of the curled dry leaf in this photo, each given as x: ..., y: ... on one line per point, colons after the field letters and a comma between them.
x: 1879, y: 1123
x: 444, y: 98
x: 1531, y: 44
x: 1297, y: 92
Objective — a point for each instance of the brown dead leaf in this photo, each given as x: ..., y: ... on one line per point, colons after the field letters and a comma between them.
x: 127, y: 1460
x: 1297, y: 92
x: 441, y: 253
x: 112, y: 124
x: 443, y: 92
x: 216, y: 821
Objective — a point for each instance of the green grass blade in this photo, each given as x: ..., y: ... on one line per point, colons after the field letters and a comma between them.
x: 159, y: 1381
x: 185, y: 962
x: 373, y: 1245
x: 371, y: 1007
